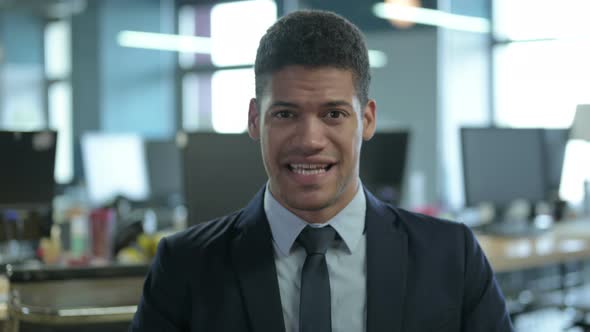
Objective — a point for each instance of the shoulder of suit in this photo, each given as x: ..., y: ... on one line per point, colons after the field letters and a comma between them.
x: 413, y: 221
x: 204, y: 235
x: 430, y: 234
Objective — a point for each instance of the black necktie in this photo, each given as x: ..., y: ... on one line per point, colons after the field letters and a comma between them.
x: 314, y: 306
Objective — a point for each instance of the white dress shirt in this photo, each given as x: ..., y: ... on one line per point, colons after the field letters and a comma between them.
x: 346, y: 261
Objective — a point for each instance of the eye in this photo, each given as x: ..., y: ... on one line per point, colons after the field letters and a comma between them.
x: 335, y: 114
x: 283, y: 114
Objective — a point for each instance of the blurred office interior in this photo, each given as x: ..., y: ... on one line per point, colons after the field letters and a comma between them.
x: 124, y: 121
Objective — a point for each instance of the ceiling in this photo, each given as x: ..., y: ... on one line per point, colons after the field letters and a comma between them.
x: 47, y: 8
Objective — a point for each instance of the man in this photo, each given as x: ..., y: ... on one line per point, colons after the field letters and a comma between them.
x: 314, y: 251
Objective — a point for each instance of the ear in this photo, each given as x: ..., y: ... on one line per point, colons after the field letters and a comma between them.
x: 369, y: 120
x: 253, y: 120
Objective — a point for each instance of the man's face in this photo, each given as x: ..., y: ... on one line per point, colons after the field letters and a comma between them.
x: 311, y: 125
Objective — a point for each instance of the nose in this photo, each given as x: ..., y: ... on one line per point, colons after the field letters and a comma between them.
x: 310, y: 136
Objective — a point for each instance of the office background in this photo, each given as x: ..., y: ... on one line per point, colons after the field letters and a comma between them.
x: 63, y: 67
x: 116, y: 67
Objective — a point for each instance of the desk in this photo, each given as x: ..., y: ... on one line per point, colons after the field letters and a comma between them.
x: 79, y: 296
x: 567, y: 241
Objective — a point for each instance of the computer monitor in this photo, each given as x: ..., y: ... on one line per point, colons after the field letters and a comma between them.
x: 26, y: 169
x: 164, y: 170
x: 114, y: 165
x: 222, y: 172
x: 383, y: 163
x: 501, y: 165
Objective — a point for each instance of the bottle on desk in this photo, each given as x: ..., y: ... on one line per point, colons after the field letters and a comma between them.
x: 50, y: 248
x: 102, y: 226
x: 79, y: 236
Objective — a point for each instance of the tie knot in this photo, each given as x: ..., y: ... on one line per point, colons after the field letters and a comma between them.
x: 316, y: 240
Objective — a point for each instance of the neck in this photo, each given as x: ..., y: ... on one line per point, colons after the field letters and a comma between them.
x: 325, y: 213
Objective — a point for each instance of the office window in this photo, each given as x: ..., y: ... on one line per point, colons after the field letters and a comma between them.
x: 58, y: 65
x: 540, y: 19
x: 60, y: 119
x: 542, y: 72
x: 230, y: 113
x: 190, y: 102
x: 235, y: 35
x: 21, y: 97
x: 541, y: 62
x: 210, y: 78
x: 539, y: 84
x: 58, y: 61
x: 575, y: 171
x: 187, y: 27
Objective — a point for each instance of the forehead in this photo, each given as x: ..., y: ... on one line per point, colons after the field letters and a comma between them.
x: 311, y: 82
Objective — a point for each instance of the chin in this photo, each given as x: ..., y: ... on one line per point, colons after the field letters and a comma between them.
x: 313, y: 201
x: 317, y: 206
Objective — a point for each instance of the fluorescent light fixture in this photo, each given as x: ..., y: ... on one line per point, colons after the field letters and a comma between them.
x: 193, y: 44
x: 165, y: 42
x: 377, y: 59
x: 431, y: 17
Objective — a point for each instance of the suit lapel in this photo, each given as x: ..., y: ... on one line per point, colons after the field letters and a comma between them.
x: 387, y: 256
x: 253, y: 259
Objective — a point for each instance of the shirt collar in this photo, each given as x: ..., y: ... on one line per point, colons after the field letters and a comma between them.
x: 285, y: 226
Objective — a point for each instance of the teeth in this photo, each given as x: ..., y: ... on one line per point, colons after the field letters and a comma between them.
x: 308, y: 169
x: 309, y: 166
x: 308, y: 172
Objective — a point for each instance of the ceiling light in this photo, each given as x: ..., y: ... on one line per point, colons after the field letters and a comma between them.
x: 164, y: 42
x: 377, y: 59
x: 432, y: 17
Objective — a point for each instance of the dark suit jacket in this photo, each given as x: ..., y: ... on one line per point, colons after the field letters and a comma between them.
x: 423, y: 274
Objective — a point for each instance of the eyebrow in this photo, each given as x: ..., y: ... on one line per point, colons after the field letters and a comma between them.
x: 283, y: 104
x: 335, y: 103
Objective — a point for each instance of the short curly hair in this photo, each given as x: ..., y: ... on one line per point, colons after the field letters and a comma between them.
x: 313, y: 38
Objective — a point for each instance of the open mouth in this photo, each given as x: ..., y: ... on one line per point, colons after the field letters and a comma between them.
x: 309, y: 169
